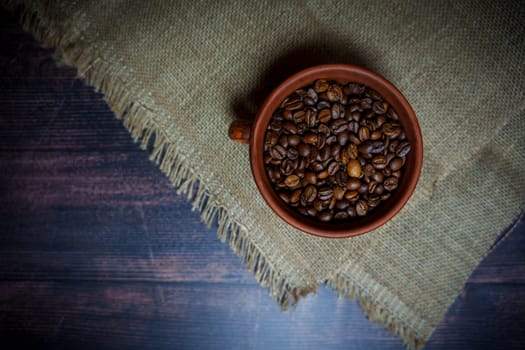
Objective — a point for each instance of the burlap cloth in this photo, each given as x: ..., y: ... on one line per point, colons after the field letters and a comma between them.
x: 178, y: 73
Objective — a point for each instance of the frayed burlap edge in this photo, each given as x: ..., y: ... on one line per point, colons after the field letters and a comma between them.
x: 128, y: 104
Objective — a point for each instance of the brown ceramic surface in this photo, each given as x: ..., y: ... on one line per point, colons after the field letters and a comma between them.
x: 342, y: 73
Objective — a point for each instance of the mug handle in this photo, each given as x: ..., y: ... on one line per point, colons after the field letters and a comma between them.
x: 240, y: 131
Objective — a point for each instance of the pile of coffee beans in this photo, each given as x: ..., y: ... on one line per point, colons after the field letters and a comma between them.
x: 335, y: 151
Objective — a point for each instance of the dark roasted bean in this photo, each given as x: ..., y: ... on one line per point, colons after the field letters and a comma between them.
x: 379, y: 162
x: 278, y: 152
x: 309, y: 194
x: 396, y: 164
x: 390, y: 183
x: 325, y: 215
x: 403, y: 149
x: 325, y: 193
x: 361, y: 208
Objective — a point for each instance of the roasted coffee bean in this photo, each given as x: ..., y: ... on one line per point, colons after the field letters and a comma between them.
x: 341, y: 215
x: 310, y: 177
x: 320, y: 85
x: 354, y: 89
x: 334, y: 151
x: 316, y: 166
x: 339, y: 192
x: 310, y: 138
x: 342, y: 204
x: 339, y: 125
x: 377, y: 176
x: 354, y: 168
x: 309, y: 194
x: 390, y: 183
x: 323, y: 105
x: 284, y: 197
x: 292, y: 181
x: 403, y: 149
x: 319, y: 205
x: 295, y: 197
x: 331, y: 139
x: 304, y: 150
x: 324, y: 129
x: 333, y: 168
x: 379, y: 162
x: 363, y: 189
x: 380, y: 107
x: 288, y: 167
x: 373, y: 201
x: 366, y: 103
x: 321, y: 141
x: 372, y: 147
x: 396, y: 164
x: 337, y: 111
x: 364, y: 133
x: 354, y: 139
x: 379, y: 189
x: 361, y: 208
x: 325, y: 215
x: 323, y: 175
x: 278, y: 152
x: 352, y: 195
x: 292, y: 153
x: 396, y: 174
x: 334, y: 93
x: 293, y: 140
x: 310, y: 117
x: 324, y: 115
x: 292, y: 103
x: 325, y: 193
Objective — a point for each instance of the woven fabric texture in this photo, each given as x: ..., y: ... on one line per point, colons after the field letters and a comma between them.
x: 178, y: 73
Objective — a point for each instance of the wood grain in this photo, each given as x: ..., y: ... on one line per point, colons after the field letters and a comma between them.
x: 98, y: 251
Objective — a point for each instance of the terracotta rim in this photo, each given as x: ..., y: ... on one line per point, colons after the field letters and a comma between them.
x: 386, y: 210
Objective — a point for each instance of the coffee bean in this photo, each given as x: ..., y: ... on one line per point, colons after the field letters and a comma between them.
x: 339, y: 192
x: 354, y: 168
x: 334, y: 93
x: 331, y: 139
x: 339, y: 125
x: 293, y: 140
x: 361, y: 208
x: 324, y: 115
x: 292, y: 181
x: 310, y: 177
x: 380, y: 107
x: 325, y: 215
x: 396, y: 164
x: 323, y: 175
x: 278, y: 152
x: 309, y: 194
x: 352, y: 184
x: 304, y: 150
x: 376, y: 135
x: 320, y: 85
x: 284, y: 197
x: 333, y: 168
x: 379, y: 162
x: 364, y: 133
x: 310, y: 138
x: 295, y: 197
x: 403, y: 149
x: 341, y: 215
x: 325, y: 193
x: 351, y: 211
x: 390, y: 183
x: 352, y: 195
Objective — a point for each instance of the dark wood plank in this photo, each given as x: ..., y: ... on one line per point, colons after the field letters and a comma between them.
x: 98, y: 251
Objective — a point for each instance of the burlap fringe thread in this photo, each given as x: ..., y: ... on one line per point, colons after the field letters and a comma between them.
x: 40, y: 19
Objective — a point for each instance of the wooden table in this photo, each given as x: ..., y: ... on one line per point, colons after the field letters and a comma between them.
x: 98, y: 251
